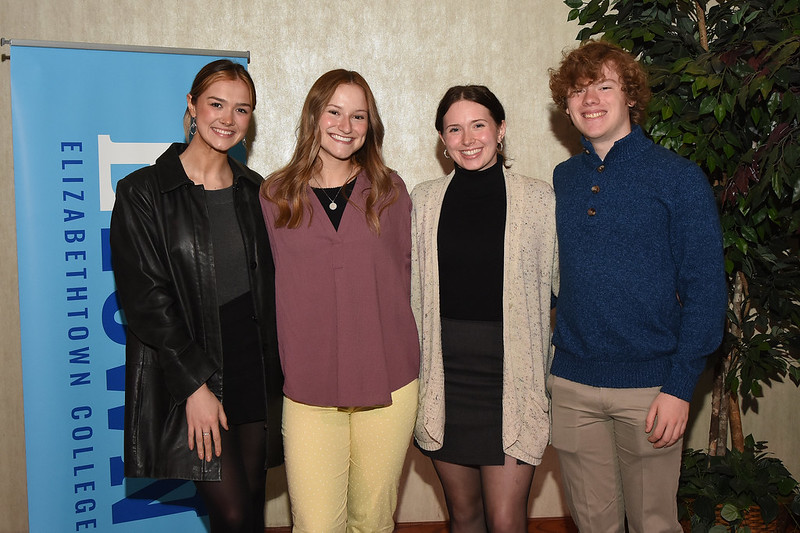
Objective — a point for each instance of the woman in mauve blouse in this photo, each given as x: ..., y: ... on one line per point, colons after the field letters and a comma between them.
x: 339, y: 222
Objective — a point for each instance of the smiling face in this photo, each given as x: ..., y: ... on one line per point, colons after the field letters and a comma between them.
x: 222, y: 113
x: 600, y: 110
x: 471, y: 135
x: 343, y: 124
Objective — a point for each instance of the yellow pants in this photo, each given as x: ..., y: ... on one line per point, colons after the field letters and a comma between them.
x: 343, y: 465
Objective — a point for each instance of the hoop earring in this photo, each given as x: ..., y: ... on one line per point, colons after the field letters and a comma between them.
x: 193, y: 127
x: 446, y: 155
x: 500, y: 146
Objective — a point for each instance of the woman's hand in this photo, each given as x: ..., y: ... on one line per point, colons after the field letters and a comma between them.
x: 205, y: 415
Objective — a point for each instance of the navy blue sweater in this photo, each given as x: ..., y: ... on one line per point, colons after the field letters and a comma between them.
x: 643, y: 293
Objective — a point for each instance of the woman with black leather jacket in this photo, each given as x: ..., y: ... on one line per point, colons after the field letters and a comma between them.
x: 195, y: 281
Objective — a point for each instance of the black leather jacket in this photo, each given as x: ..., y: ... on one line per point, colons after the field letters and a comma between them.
x: 163, y: 264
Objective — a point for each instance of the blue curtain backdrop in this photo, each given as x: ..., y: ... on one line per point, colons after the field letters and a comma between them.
x: 82, y: 119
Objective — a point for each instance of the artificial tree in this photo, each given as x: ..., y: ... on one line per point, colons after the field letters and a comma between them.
x: 725, y: 76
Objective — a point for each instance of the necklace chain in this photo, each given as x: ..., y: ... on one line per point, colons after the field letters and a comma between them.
x: 332, y: 205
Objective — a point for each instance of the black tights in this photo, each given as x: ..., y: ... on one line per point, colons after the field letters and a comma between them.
x: 486, y: 498
x: 236, y: 504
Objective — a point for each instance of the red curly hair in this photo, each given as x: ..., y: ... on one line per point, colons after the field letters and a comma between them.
x: 584, y: 66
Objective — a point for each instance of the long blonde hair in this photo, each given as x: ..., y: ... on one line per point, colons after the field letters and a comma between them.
x: 287, y: 187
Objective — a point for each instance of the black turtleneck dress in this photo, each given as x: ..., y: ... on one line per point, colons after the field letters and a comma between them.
x: 470, y: 246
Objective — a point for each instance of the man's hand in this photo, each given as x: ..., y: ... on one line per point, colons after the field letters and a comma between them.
x: 666, y: 420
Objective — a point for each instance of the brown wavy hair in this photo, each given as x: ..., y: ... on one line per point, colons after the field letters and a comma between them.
x: 287, y: 187
x: 584, y: 65
x: 221, y: 69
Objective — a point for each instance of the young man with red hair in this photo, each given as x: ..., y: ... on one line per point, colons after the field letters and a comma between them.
x: 642, y: 299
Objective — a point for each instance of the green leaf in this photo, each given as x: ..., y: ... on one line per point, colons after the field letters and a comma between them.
x: 736, y: 18
x: 714, y: 80
x: 749, y: 233
x: 697, y: 86
x: 707, y: 105
x: 730, y: 513
x: 766, y: 87
x: 751, y: 17
x: 574, y: 3
x: 787, y: 52
x: 694, y: 69
x: 777, y: 183
x: 659, y: 129
x: 759, y: 44
x: 787, y: 101
x: 678, y: 65
x: 729, y: 150
x: 666, y: 112
x: 786, y: 485
x: 728, y: 101
x: 573, y: 14
x: 719, y: 113
x: 755, y: 115
x: 773, y: 101
x: 741, y: 244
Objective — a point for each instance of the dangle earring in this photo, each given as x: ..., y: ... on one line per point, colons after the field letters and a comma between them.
x: 193, y: 127
x: 244, y: 142
x: 446, y: 155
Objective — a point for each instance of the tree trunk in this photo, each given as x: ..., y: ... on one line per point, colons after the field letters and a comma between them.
x: 741, y: 308
x: 701, y: 25
x: 718, y: 436
x: 716, y: 389
x: 735, y: 420
x: 725, y: 404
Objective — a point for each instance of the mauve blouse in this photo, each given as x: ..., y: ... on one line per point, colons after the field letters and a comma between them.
x: 346, y: 332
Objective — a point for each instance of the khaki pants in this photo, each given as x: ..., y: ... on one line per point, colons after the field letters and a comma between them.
x: 609, y: 469
x: 343, y: 465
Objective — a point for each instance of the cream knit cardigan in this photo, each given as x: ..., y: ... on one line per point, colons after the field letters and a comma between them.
x: 530, y: 274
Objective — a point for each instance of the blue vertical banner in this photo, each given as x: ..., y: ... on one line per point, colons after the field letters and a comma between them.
x: 83, y: 119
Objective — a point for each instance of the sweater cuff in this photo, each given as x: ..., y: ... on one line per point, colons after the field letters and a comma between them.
x: 681, y: 385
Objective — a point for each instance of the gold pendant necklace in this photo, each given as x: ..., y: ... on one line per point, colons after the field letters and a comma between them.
x: 332, y: 205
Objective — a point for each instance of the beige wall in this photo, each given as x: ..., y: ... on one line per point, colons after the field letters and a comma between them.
x: 410, y: 51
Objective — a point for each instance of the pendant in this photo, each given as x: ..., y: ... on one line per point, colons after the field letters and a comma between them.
x: 332, y: 206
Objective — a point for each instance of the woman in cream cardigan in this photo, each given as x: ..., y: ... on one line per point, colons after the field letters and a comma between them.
x: 484, y: 268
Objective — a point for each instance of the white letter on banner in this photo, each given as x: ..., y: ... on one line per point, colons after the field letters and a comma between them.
x: 111, y: 153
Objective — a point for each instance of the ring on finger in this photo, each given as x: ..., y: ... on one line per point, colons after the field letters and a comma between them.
x: 206, y: 434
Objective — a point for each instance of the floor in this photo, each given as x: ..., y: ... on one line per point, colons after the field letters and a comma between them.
x: 535, y: 525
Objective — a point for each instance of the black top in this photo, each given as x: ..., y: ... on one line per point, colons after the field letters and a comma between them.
x: 336, y: 195
x: 470, y: 244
